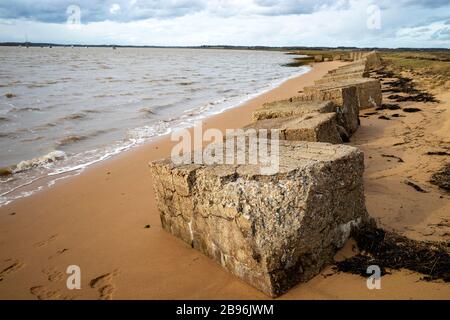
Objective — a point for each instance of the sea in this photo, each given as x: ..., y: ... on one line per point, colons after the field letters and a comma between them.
x: 65, y: 108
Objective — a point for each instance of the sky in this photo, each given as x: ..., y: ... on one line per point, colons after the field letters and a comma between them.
x: 362, y: 23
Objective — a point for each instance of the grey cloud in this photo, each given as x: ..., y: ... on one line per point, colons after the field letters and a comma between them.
x: 441, y: 34
x: 288, y: 7
x: 426, y: 21
x: 427, y: 3
x: 54, y: 11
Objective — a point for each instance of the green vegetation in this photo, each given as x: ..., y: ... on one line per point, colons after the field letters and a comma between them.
x: 428, y: 68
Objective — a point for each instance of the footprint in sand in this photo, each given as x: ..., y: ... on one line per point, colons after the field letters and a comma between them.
x: 53, y: 274
x: 45, y: 242
x: 58, y: 253
x: 43, y: 293
x: 104, y: 285
x: 13, y: 267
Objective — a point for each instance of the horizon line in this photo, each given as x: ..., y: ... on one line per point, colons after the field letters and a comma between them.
x: 218, y: 46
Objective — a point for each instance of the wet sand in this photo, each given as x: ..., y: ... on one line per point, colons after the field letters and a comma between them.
x: 98, y: 220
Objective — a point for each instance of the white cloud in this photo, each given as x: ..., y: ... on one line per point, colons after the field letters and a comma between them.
x: 114, y: 9
x: 246, y: 22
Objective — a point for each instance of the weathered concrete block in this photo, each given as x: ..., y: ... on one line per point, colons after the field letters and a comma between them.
x: 369, y: 93
x: 314, y: 127
x: 341, y: 77
x: 356, y: 55
x: 373, y: 60
x: 270, y: 230
x: 368, y: 90
x: 370, y: 60
x: 337, y: 57
x: 287, y: 108
x: 347, y: 101
x: 348, y: 111
x: 361, y: 67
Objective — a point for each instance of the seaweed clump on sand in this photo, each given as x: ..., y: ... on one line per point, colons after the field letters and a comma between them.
x: 442, y: 178
x: 420, y: 97
x: 399, y: 84
x: 411, y: 110
x: 391, y: 251
x: 388, y: 106
x: 402, y: 84
x: 383, y: 73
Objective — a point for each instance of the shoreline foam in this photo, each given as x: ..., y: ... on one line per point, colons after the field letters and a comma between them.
x: 136, y: 137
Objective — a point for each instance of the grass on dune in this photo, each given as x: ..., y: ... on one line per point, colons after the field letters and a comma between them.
x: 428, y: 68
x: 431, y: 68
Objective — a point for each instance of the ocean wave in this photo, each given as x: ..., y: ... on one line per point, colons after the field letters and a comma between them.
x: 139, y: 135
x: 36, y: 85
x: 69, y: 140
x: 147, y: 111
x: 16, y: 109
x: 73, y: 116
x: 91, y: 111
x: 45, y: 126
x: 44, y: 160
x: 33, y: 139
x: 225, y: 91
x: 77, y: 138
x: 164, y: 106
x: 10, y: 84
x: 105, y: 95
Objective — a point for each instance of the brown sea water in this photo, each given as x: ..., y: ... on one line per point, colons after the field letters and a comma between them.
x: 64, y: 108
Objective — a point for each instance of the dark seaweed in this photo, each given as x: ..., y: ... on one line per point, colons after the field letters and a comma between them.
x: 442, y: 178
x: 420, y: 97
x: 390, y: 250
x: 388, y: 106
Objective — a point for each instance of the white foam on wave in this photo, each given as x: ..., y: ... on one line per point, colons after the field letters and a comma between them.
x: 43, y: 161
x: 77, y: 163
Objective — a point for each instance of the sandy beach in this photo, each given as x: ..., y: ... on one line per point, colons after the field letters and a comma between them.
x: 106, y: 222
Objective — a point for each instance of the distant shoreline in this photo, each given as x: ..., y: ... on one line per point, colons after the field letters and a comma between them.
x: 222, y: 47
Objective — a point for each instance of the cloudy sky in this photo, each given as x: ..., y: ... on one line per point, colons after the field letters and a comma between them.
x: 364, y: 23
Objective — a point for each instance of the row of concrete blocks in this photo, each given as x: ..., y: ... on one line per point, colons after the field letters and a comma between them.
x: 351, y: 56
x: 315, y: 121
x: 325, y: 112
x: 273, y: 230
